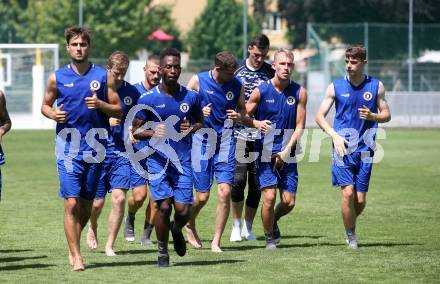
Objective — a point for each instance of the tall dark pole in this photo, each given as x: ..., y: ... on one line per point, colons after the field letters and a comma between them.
x: 245, y: 12
x: 410, y: 47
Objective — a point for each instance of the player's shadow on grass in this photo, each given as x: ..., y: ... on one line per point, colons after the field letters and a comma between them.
x: 308, y: 245
x: 14, y: 250
x: 137, y: 251
x: 25, y: 266
x: 207, y: 262
x: 21, y: 258
x: 243, y: 247
x: 281, y: 246
x: 287, y: 237
x: 388, y: 244
x: 120, y: 263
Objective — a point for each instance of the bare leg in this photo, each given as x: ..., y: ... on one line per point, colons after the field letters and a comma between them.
x: 267, y: 209
x: 136, y: 200
x: 72, y: 229
x: 360, y: 201
x: 115, y: 219
x: 92, y: 234
x: 287, y: 203
x: 347, y: 207
x: 222, y: 214
x: 191, y: 231
x: 162, y: 225
x: 150, y: 212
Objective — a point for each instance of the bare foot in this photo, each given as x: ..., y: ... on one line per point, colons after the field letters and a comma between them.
x: 193, y: 237
x: 109, y: 252
x: 216, y: 248
x: 70, y: 258
x: 78, y: 264
x: 92, y: 242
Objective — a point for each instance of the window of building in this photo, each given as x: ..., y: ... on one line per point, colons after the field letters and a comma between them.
x: 273, y: 22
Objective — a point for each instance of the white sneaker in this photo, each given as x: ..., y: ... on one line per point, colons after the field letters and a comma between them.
x: 352, y: 242
x: 247, y: 234
x: 235, y: 235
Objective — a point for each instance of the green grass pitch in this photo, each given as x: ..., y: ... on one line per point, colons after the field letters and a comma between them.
x: 399, y: 232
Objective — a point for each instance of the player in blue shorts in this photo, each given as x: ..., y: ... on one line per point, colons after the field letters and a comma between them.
x: 117, y: 173
x: 252, y: 72
x: 222, y: 96
x: 170, y: 113
x: 360, y: 105
x: 85, y: 99
x: 139, y: 183
x: 5, y: 126
x: 279, y: 108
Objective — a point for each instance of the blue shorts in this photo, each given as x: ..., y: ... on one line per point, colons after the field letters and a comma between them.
x: 137, y: 174
x: 221, y: 165
x: 116, y: 174
x: 79, y: 178
x: 351, y: 170
x: 167, y: 182
x: 285, y: 179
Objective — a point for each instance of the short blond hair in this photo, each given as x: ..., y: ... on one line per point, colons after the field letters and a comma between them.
x: 118, y: 59
x: 286, y: 51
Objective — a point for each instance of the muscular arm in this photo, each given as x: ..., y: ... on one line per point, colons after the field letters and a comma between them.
x: 49, y: 99
x: 193, y: 84
x: 197, y: 116
x: 300, y: 120
x: 251, y: 106
x: 326, y: 104
x: 324, y: 108
x: 5, y: 120
x: 140, y: 133
x: 113, y: 107
x: 240, y: 113
x: 384, y: 114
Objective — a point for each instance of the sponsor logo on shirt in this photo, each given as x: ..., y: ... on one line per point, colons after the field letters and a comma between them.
x: 161, y: 106
x: 270, y: 101
x: 69, y: 85
x: 346, y: 95
x: 210, y: 92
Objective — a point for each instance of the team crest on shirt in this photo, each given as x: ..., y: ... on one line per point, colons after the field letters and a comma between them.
x: 184, y: 107
x: 128, y: 101
x: 290, y: 100
x: 229, y: 96
x: 368, y: 96
x: 95, y: 85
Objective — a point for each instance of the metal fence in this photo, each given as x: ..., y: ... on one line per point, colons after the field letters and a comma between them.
x: 388, y: 60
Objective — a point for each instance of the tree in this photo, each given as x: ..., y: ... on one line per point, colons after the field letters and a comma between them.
x: 10, y: 11
x: 218, y: 28
x: 115, y: 25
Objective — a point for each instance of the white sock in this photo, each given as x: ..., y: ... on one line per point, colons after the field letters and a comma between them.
x: 237, y: 223
x: 248, y: 225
